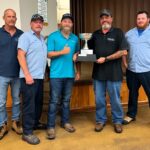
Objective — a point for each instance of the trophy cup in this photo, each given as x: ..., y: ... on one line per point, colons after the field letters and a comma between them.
x: 86, y: 54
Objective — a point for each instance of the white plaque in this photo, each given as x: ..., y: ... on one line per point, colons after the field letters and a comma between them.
x: 42, y: 9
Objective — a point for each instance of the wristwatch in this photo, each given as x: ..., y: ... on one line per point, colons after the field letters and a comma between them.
x: 106, y: 59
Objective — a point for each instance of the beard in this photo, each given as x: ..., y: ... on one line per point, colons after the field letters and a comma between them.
x: 142, y: 26
x: 66, y: 29
x: 106, y: 26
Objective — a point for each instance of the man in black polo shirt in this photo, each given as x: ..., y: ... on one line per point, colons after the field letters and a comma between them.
x: 109, y: 45
x: 9, y: 72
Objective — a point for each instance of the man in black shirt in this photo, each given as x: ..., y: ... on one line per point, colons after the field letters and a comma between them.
x: 9, y: 72
x: 109, y: 45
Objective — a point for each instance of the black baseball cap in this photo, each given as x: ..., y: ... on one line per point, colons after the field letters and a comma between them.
x: 37, y: 17
x: 67, y: 16
x: 106, y: 12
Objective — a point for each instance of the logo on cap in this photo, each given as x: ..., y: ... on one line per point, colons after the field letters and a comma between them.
x: 37, y: 17
x: 105, y: 12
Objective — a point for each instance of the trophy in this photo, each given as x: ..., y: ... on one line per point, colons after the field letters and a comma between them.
x: 86, y: 54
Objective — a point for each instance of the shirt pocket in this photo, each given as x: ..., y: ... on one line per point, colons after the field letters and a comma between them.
x: 34, y: 46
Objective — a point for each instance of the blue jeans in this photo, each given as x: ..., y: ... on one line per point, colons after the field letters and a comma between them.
x: 134, y: 82
x: 60, y: 89
x: 113, y: 89
x: 15, y: 91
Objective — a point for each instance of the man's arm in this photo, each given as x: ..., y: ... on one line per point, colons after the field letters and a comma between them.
x: 78, y: 70
x: 23, y: 64
x: 52, y: 54
x: 114, y: 56
x: 125, y: 62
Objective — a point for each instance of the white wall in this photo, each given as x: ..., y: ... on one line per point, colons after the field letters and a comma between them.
x: 14, y: 4
x: 63, y: 6
x: 29, y: 7
x: 25, y: 9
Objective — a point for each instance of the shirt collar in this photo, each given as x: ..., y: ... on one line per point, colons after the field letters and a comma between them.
x: 6, y: 31
x: 35, y: 33
x: 16, y: 33
x: 32, y: 32
x: 147, y: 28
x: 3, y: 28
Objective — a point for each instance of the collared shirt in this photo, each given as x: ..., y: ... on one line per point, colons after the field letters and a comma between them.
x: 104, y: 45
x: 9, y: 66
x: 36, y: 54
x: 62, y: 66
x: 139, y: 50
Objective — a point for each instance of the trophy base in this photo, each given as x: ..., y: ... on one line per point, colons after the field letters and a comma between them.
x: 87, y: 58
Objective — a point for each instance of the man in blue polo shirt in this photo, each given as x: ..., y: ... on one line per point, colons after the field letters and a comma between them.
x: 32, y: 55
x: 63, y: 47
x: 138, y: 71
x: 9, y: 72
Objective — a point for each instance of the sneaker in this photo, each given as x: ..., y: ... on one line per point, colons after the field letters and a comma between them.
x: 31, y: 139
x: 3, y: 131
x: 16, y: 127
x: 127, y: 120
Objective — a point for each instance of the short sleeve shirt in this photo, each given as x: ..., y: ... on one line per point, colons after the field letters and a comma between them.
x: 36, y: 54
x: 62, y: 66
x: 104, y: 45
x: 9, y: 65
x: 139, y: 50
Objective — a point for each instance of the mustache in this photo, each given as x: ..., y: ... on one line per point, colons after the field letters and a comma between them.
x: 12, y: 21
x: 105, y: 22
x: 67, y: 28
x: 106, y: 26
x: 38, y: 27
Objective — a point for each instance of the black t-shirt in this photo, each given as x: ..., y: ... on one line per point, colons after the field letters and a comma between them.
x: 9, y: 66
x: 104, y: 45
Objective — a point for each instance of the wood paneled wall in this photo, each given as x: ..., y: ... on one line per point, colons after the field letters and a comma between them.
x: 83, y: 96
x: 86, y: 13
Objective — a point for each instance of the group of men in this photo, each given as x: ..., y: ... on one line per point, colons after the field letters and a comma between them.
x: 22, y: 67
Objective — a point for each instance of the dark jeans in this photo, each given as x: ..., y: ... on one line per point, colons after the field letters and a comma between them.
x: 134, y: 82
x: 32, y: 104
x: 60, y: 89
